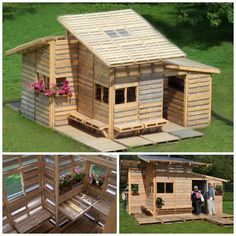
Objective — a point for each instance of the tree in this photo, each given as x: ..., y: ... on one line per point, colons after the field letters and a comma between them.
x: 214, y: 14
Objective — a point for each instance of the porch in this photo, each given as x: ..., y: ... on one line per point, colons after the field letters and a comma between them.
x: 221, y: 219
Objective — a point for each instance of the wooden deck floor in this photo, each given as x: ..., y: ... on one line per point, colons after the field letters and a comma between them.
x: 84, y: 225
x: 171, y: 133
x: 222, y: 220
x: 95, y: 142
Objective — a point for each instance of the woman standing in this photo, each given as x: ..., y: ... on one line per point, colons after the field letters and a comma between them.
x: 196, y: 199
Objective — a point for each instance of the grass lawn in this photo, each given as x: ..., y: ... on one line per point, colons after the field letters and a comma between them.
x: 26, y: 22
x: 129, y: 225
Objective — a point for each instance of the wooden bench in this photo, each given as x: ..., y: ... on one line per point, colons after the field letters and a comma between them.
x: 168, y: 211
x: 146, y: 210
x: 91, y: 123
x: 142, y: 124
x: 33, y: 221
x: 77, y: 206
x: 152, y: 123
x: 128, y: 127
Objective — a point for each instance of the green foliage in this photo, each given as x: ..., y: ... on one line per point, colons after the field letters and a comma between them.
x: 228, y: 197
x: 134, y: 188
x: 13, y: 184
x: 221, y: 166
x: 215, y: 14
x: 159, y: 202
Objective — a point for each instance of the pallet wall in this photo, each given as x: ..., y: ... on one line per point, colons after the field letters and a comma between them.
x: 149, y: 98
x: 66, y: 66
x: 19, y: 208
x: 28, y: 77
x: 135, y: 201
x: 176, y: 106
x: 198, y: 100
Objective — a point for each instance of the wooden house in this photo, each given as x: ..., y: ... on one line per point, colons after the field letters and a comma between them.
x: 169, y: 178
x: 124, y: 75
x: 52, y: 194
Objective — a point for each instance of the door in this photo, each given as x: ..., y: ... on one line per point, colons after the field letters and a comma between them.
x: 175, y: 99
x: 202, y: 185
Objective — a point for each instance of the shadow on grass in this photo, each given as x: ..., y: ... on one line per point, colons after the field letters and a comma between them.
x: 11, y: 10
x: 221, y: 118
x: 201, y: 36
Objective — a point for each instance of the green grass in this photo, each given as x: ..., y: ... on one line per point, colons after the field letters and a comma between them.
x: 129, y: 225
x: 25, y: 22
x: 228, y: 207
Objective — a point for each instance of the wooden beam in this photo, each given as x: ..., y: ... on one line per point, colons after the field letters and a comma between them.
x: 129, y: 192
x: 186, y: 100
x: 52, y: 80
x: 111, y: 103
x: 57, y: 181
x: 154, y: 192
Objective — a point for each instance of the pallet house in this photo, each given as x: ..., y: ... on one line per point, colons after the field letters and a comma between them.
x: 168, y: 178
x: 125, y: 77
x: 59, y: 194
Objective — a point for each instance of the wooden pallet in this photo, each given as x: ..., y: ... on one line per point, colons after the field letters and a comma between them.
x: 91, y: 123
x: 33, y: 221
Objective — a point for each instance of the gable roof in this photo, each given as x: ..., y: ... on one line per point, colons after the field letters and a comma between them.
x: 120, y: 37
x: 32, y: 45
x: 189, y: 65
x: 172, y: 160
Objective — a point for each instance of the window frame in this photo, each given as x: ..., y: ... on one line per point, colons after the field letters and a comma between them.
x: 17, y: 194
x: 126, y: 95
x: 165, y: 183
x: 103, y: 88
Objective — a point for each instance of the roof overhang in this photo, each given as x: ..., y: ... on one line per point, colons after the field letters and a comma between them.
x: 209, y: 177
x: 32, y: 45
x: 171, y: 160
x: 185, y: 64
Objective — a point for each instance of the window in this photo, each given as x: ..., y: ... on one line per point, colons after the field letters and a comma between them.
x: 169, y: 188
x: 165, y: 188
x: 125, y: 95
x: 60, y: 81
x: 134, y: 188
x: 101, y: 93
x: 14, y: 187
x: 118, y: 33
x: 131, y: 94
x: 120, y: 96
x: 44, y: 78
x: 160, y: 188
x: 97, y: 175
x: 105, y: 95
x: 176, y: 83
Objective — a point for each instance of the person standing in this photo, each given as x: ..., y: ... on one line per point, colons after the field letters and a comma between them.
x: 196, y: 199
x: 124, y: 198
x: 211, y: 199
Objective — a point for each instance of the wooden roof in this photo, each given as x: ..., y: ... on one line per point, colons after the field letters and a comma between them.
x: 120, y: 37
x: 30, y: 46
x: 172, y: 160
x: 209, y: 177
x: 189, y: 65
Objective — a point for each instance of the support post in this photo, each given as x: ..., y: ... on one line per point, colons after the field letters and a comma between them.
x: 52, y: 80
x: 129, y: 192
x: 111, y: 104
x: 186, y: 101
x: 56, y: 163
x: 154, y: 193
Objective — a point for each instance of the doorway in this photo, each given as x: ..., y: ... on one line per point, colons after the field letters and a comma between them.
x: 202, y: 185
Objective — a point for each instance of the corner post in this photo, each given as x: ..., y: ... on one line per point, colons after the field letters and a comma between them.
x: 154, y: 192
x: 52, y: 80
x: 111, y: 104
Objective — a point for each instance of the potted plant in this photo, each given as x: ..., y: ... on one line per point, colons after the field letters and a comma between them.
x: 134, y: 189
x: 64, y: 186
x: 219, y: 190
x: 159, y: 203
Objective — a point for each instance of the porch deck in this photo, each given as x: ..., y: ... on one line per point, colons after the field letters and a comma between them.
x: 222, y: 219
x: 170, y: 133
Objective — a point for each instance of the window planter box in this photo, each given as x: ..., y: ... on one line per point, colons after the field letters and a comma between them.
x: 135, y: 194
